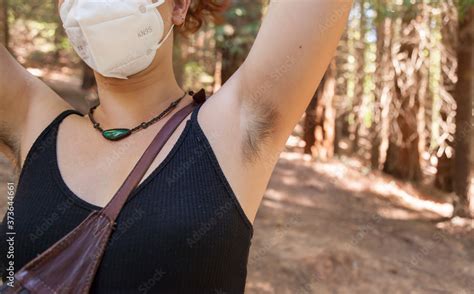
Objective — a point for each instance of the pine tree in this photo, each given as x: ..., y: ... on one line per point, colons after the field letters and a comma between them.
x: 463, y: 94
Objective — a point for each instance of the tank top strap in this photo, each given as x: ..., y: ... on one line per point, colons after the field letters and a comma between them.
x: 199, y: 98
x: 56, y: 121
x: 52, y: 127
x: 64, y: 114
x: 195, y: 112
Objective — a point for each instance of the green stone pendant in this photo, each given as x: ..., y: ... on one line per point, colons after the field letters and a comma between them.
x: 116, y: 134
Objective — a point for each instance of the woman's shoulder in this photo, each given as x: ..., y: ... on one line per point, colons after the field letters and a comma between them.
x: 44, y: 106
x: 27, y: 104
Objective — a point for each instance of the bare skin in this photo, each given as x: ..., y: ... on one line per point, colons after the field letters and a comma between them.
x: 247, y: 121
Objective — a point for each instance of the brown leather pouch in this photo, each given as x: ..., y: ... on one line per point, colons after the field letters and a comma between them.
x: 69, y: 266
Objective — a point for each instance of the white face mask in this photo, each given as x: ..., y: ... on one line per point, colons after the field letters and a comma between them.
x: 117, y: 38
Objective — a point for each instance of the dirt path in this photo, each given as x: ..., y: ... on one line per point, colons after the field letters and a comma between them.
x: 329, y: 228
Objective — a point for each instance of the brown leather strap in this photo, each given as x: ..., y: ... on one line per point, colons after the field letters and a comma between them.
x: 113, y: 208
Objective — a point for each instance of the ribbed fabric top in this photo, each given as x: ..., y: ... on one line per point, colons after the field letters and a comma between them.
x: 181, y: 231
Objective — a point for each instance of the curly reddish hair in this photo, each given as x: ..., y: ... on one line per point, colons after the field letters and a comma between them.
x: 202, y: 11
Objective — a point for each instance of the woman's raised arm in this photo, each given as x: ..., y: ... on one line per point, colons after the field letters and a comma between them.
x: 293, y: 49
x: 27, y: 105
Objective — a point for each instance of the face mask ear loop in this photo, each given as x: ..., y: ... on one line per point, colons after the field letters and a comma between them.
x: 164, y: 39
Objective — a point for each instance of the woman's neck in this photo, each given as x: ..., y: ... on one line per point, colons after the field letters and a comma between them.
x: 126, y: 103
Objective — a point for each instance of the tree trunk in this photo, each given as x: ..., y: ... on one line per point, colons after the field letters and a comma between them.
x: 383, y: 95
x: 360, y: 79
x: 4, y: 30
x: 464, y: 92
x: 403, y: 154
x: 319, y: 125
x: 310, y: 120
x: 444, y: 105
x: 329, y: 122
x: 341, y: 89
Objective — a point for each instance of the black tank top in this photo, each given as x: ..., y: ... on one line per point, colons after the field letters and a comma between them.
x: 181, y: 231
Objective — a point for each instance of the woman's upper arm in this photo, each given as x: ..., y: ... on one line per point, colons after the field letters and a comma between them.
x: 292, y: 51
x: 250, y: 118
x: 27, y: 106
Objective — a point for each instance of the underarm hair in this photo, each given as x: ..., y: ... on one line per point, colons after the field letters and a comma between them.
x: 261, y: 119
x: 9, y: 147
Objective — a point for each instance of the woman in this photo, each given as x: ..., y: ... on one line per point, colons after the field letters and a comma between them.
x: 188, y: 226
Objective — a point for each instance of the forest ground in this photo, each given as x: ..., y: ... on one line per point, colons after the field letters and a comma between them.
x: 335, y: 227
x: 332, y: 228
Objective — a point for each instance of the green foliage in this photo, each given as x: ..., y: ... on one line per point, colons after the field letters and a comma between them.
x: 408, y: 9
x: 38, y: 10
x: 242, y: 24
x: 463, y: 6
